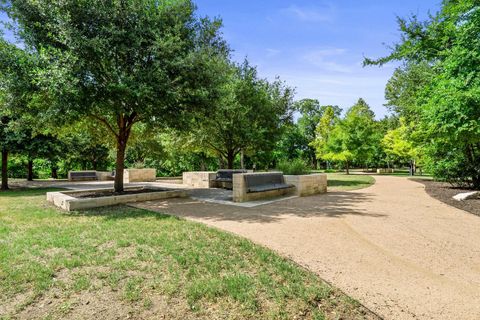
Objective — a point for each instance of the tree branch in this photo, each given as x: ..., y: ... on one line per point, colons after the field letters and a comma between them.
x: 105, y: 122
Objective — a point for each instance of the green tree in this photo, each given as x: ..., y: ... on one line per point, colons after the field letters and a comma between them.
x: 396, y: 144
x: 349, y: 139
x: 248, y: 115
x: 121, y: 62
x: 447, y: 102
x: 323, y: 131
x: 16, y: 94
x: 310, y: 114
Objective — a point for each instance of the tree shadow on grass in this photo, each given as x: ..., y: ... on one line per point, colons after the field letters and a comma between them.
x: 119, y: 212
x: 330, y: 205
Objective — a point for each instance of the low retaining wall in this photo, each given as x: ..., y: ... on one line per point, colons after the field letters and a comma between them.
x: 309, y: 184
x: 240, y: 193
x: 199, y: 179
x: 139, y: 175
x: 385, y: 170
x: 67, y: 202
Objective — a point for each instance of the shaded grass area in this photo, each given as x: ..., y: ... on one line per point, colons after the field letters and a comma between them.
x: 344, y: 182
x: 121, y: 262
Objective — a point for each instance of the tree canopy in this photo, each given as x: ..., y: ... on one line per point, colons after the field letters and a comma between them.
x: 122, y: 62
x: 439, y: 86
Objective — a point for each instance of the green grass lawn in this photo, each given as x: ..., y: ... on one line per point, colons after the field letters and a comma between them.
x: 344, y: 182
x: 120, y: 261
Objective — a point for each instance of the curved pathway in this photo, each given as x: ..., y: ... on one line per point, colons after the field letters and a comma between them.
x: 398, y: 251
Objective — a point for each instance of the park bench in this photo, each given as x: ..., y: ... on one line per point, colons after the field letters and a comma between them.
x: 82, y: 175
x: 224, y: 177
x: 266, y: 182
x: 257, y: 186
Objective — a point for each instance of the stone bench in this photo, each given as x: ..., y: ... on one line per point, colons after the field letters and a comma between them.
x: 256, y: 186
x: 82, y: 176
x: 224, y: 178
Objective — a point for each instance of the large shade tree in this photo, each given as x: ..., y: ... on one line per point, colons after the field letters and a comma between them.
x: 248, y: 116
x: 17, y: 91
x: 120, y: 62
x: 445, y: 49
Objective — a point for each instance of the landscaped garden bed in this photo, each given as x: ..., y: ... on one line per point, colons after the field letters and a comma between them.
x: 444, y: 192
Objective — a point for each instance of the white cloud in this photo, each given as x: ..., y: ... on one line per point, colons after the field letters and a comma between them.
x: 310, y: 14
x: 320, y: 58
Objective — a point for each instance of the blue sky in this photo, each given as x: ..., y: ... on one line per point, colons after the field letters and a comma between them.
x: 318, y: 46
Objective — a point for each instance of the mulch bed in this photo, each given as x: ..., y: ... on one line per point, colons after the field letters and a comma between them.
x: 111, y: 193
x: 444, y: 192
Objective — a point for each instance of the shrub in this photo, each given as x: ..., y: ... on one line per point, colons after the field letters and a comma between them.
x: 294, y: 167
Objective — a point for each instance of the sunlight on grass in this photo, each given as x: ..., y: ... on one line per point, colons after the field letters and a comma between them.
x: 344, y: 182
x: 139, y: 258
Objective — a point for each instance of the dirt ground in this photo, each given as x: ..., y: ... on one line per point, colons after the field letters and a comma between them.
x: 397, y: 250
x: 444, y: 192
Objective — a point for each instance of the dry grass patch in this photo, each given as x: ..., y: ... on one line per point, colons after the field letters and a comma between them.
x: 116, y: 262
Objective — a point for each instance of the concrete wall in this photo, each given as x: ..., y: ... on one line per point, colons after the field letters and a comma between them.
x: 240, y: 190
x: 139, y: 175
x: 306, y: 185
x: 199, y: 179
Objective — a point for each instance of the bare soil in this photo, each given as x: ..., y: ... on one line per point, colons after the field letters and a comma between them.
x: 444, y: 192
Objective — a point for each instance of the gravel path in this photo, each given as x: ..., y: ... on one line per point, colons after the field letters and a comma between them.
x: 400, y: 252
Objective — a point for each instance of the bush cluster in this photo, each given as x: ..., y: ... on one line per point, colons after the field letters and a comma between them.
x: 293, y: 167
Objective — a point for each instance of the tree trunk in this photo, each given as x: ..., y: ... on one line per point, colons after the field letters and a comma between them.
x: 4, y: 170
x: 348, y: 167
x: 242, y: 160
x: 230, y: 159
x: 120, y: 163
x: 54, y: 172
x: 30, y: 170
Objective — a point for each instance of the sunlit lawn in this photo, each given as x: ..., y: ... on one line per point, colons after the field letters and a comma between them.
x: 120, y: 261
x: 343, y: 182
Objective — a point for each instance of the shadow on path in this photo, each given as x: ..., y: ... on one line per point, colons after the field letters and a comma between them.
x: 332, y: 205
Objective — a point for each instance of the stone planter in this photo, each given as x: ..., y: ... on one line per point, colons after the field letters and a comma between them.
x: 66, y: 200
x: 139, y: 175
x: 199, y: 179
x: 308, y: 184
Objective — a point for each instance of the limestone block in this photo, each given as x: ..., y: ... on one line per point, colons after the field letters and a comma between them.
x: 385, y: 170
x: 104, y: 175
x: 309, y: 184
x: 139, y: 175
x: 67, y: 202
x: 467, y: 196
x: 199, y: 179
